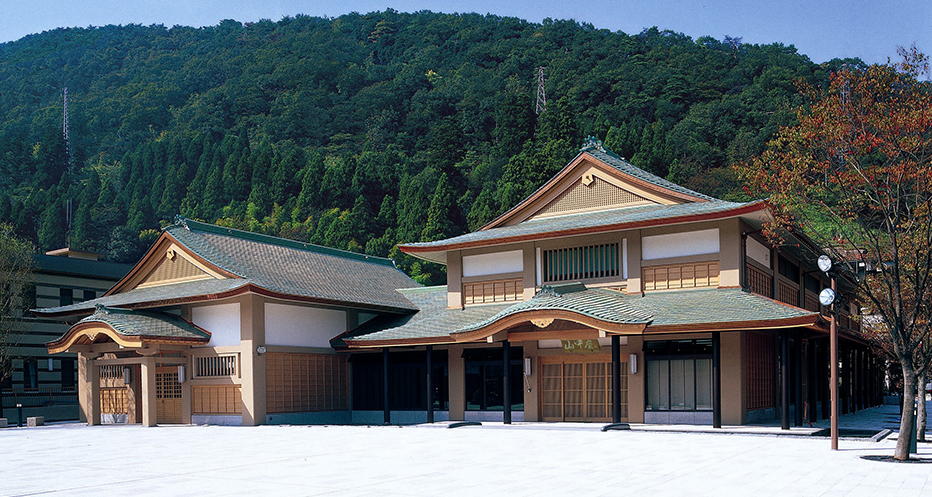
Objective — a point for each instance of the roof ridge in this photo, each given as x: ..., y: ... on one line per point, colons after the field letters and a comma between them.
x: 192, y: 225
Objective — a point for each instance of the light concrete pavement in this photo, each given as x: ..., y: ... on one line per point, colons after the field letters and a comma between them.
x: 526, y: 459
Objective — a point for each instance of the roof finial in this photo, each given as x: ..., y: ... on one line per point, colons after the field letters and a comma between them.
x: 181, y: 221
x: 100, y: 309
x: 592, y: 143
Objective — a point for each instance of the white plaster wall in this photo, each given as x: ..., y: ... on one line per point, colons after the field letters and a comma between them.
x: 221, y: 320
x: 680, y: 244
x: 299, y: 326
x: 757, y: 251
x: 497, y: 263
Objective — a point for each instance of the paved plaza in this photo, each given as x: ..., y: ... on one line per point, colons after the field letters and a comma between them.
x: 522, y: 459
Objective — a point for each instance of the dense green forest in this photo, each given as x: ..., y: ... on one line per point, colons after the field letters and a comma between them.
x: 362, y: 131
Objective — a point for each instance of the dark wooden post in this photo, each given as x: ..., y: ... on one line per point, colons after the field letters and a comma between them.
x: 784, y: 381
x: 616, y: 379
x: 716, y: 379
x: 827, y: 378
x: 798, y: 382
x: 812, y: 379
x: 387, y: 413
x: 506, y: 379
x: 430, y: 384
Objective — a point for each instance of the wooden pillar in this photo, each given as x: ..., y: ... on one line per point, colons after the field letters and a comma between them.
x: 716, y: 379
x: 616, y: 379
x: 430, y: 384
x: 506, y: 380
x: 149, y: 401
x: 386, y: 409
x: 90, y: 407
x: 784, y: 381
x: 843, y: 379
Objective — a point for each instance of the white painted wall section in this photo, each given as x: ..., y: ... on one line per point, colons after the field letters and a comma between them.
x: 497, y: 263
x: 758, y: 252
x: 221, y: 320
x: 680, y: 244
x: 298, y: 326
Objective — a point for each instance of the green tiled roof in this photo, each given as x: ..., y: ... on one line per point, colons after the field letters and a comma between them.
x: 599, y: 303
x: 713, y: 305
x: 587, y: 220
x: 295, y: 268
x: 282, y: 266
x: 594, y: 148
x: 670, y: 308
x: 146, y: 324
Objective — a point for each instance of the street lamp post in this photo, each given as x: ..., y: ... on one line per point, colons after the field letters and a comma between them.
x: 827, y: 297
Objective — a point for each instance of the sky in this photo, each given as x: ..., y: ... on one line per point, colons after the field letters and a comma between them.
x: 820, y: 29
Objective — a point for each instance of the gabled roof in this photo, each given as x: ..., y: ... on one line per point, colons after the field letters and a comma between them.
x: 657, y: 312
x: 596, y: 192
x: 130, y: 329
x: 225, y: 261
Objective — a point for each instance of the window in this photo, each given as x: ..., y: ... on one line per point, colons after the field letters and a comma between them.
x: 65, y: 296
x: 407, y: 384
x: 67, y: 374
x: 224, y: 365
x: 580, y: 263
x: 30, y: 374
x: 679, y: 375
x: 788, y: 270
x: 484, y: 377
x: 90, y: 295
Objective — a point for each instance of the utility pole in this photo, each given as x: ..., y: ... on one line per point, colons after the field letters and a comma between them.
x: 541, y: 91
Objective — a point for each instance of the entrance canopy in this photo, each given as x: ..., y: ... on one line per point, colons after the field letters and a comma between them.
x: 130, y: 329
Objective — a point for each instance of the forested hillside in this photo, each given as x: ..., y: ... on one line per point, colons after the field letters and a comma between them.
x: 361, y: 131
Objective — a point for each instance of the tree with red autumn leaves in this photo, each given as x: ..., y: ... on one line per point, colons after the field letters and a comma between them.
x: 855, y: 175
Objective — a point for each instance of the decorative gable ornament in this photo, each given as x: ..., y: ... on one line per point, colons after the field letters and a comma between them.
x: 592, y: 143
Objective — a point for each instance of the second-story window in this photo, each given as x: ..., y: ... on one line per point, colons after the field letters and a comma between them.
x: 581, y: 263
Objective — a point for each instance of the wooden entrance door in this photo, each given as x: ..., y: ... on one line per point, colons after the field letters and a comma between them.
x: 577, y: 388
x: 167, y: 395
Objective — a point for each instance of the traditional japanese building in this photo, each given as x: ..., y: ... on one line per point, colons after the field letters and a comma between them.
x: 609, y: 294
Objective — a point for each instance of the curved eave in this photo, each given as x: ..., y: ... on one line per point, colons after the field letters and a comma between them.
x: 90, y: 333
x: 813, y: 321
x: 426, y: 252
x: 523, y: 317
x: 396, y: 342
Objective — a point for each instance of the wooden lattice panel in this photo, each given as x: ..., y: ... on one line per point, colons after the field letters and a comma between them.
x: 580, y: 263
x: 598, y: 194
x: 113, y: 400
x: 487, y: 292
x: 761, y: 371
x: 217, y: 399
x: 577, y: 389
x: 788, y: 294
x: 306, y: 382
x: 677, y: 276
x: 174, y: 269
x: 759, y: 282
x: 812, y: 302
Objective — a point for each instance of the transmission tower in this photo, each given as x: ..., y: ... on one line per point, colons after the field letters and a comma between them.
x: 541, y: 91
x: 66, y: 134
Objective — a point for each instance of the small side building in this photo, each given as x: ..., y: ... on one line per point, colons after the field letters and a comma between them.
x: 43, y: 383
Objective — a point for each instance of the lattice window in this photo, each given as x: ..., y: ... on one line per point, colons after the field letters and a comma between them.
x: 696, y: 275
x: 486, y: 292
x: 306, y: 382
x: 217, y: 399
x: 789, y: 294
x: 212, y: 366
x: 112, y: 372
x: 580, y: 263
x: 759, y: 282
x: 113, y: 400
x: 761, y: 371
x: 167, y: 386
